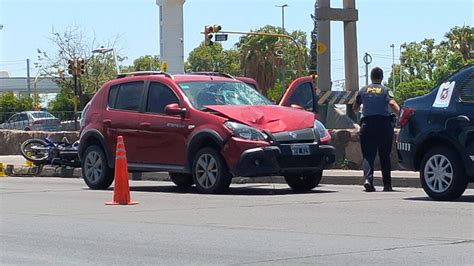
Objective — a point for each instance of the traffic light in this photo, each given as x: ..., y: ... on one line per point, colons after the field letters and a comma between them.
x: 216, y: 28
x: 208, y: 30
x: 81, y: 66
x: 71, y: 67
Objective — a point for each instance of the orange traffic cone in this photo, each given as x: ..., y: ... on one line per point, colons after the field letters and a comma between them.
x: 121, y: 187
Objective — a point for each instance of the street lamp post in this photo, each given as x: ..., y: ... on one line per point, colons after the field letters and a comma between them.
x: 282, y: 16
x: 103, y: 50
x: 393, y: 66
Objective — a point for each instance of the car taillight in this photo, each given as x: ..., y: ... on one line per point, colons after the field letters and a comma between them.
x: 405, y: 115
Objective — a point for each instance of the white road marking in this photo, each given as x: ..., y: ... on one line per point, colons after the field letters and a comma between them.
x: 472, y: 157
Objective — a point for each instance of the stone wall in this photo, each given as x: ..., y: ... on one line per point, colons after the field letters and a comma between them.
x: 10, y: 140
x: 348, y: 153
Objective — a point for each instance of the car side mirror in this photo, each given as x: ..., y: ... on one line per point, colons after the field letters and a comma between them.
x: 174, y: 109
x: 296, y: 106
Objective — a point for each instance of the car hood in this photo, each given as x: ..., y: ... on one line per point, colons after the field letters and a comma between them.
x: 273, y: 118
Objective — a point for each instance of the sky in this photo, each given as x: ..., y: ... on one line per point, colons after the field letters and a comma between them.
x: 27, y: 25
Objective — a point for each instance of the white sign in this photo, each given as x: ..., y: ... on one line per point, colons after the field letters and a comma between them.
x: 445, y: 92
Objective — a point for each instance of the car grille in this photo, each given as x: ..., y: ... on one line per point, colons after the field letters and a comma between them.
x: 306, y: 135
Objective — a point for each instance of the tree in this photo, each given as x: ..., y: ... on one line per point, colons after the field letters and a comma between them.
x: 413, y: 88
x: 213, y: 58
x: 73, y: 44
x: 426, y: 64
x: 260, y: 56
x: 144, y: 63
x: 313, y: 62
x: 10, y: 103
x: 461, y: 39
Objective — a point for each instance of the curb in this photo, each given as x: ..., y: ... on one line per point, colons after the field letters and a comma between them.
x: 347, y: 178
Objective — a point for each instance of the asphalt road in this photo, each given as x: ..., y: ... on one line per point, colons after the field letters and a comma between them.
x: 59, y: 221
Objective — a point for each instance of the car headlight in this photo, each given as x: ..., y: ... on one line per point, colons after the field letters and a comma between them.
x: 245, y: 132
x: 321, y: 129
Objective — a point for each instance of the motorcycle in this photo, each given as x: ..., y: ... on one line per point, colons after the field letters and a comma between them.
x: 41, y: 152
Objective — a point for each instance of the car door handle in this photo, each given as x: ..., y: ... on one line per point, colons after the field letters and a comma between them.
x: 145, y: 125
x: 106, y: 122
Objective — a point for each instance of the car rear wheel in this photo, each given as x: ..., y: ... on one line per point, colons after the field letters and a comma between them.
x: 181, y: 180
x: 304, y: 182
x: 95, y: 171
x: 210, y: 172
x: 442, y: 174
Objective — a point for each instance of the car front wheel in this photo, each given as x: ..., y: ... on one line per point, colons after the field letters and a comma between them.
x: 210, y: 172
x: 95, y: 171
x: 304, y: 182
x: 181, y: 180
x: 442, y: 174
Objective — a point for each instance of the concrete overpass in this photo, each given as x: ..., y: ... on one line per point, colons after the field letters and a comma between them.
x: 20, y: 85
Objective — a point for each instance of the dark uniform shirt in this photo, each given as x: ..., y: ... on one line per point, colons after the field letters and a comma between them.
x: 375, y: 99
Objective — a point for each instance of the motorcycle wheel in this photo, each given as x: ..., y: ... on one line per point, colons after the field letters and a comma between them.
x: 35, y: 150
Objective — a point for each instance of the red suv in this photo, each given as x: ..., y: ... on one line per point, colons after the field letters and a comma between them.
x: 202, y: 129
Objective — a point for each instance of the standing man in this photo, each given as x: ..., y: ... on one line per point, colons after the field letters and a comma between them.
x: 376, y: 132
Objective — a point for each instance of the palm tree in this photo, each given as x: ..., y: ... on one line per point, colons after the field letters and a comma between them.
x: 461, y: 39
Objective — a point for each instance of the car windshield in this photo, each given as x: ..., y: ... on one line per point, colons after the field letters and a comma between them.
x: 221, y: 93
x: 42, y: 115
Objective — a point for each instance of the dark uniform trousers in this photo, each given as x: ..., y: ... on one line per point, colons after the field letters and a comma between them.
x: 376, y: 134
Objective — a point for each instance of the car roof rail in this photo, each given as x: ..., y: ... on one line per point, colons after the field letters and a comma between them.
x: 144, y: 73
x: 211, y: 73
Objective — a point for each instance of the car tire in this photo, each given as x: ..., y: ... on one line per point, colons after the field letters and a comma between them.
x: 210, y: 172
x: 181, y: 179
x: 442, y: 174
x: 95, y: 171
x: 304, y: 182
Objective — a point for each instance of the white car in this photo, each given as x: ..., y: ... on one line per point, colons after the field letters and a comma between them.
x: 32, y: 120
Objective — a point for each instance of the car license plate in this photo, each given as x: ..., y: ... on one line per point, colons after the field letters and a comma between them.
x: 300, y: 150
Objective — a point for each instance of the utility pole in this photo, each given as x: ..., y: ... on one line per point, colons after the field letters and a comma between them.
x: 28, y: 85
x: 283, y: 68
x: 393, y: 66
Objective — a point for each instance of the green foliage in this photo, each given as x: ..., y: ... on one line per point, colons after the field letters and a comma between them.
x: 413, y: 88
x: 426, y: 64
x: 265, y: 57
x: 276, y: 93
x: 213, y: 58
x: 144, y: 63
x: 9, y: 104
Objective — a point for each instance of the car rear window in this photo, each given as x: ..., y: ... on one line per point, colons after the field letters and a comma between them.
x: 466, y: 92
x: 126, y: 96
x: 42, y: 115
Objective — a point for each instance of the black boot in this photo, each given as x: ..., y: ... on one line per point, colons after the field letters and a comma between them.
x: 369, y: 186
x: 387, y: 185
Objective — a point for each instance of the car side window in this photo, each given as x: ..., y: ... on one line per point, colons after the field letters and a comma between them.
x: 113, y: 95
x: 23, y: 117
x: 303, y: 96
x: 13, y: 119
x: 128, y: 96
x: 466, y: 91
x: 159, y: 96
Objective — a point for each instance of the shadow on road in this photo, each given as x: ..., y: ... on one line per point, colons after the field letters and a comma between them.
x: 466, y: 198
x: 253, y: 190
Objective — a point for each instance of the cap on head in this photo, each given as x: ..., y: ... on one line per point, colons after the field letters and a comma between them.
x: 376, y: 75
